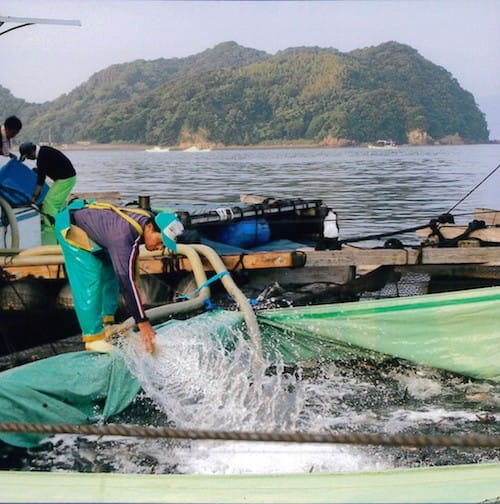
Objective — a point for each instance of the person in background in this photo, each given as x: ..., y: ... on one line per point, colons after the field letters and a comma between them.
x: 51, y: 163
x: 10, y: 128
x: 100, y: 245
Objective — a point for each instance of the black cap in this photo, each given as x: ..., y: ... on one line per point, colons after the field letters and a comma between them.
x: 25, y: 149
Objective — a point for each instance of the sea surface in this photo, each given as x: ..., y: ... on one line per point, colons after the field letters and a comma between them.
x: 195, y: 384
x: 372, y: 191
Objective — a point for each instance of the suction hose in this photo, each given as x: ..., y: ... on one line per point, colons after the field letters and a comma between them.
x: 43, y: 254
x: 233, y: 290
x: 41, y: 250
x: 27, y: 260
x: 12, y: 222
x: 160, y: 313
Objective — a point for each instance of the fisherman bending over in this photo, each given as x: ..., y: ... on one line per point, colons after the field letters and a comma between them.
x: 54, y: 164
x: 100, y: 244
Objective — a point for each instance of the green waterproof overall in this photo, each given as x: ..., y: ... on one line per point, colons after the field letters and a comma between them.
x: 52, y: 204
x: 95, y: 288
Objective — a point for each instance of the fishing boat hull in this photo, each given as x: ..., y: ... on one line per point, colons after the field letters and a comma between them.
x: 463, y: 483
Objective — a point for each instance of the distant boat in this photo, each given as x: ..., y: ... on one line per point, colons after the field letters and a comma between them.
x: 194, y: 148
x: 383, y: 144
x: 158, y: 149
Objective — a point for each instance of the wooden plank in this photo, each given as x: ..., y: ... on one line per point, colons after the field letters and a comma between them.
x: 351, y: 256
x: 52, y: 266
x: 430, y: 255
x: 461, y: 255
x: 265, y: 260
x: 259, y: 260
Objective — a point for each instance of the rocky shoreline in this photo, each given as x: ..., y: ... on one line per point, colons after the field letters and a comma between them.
x: 89, y: 146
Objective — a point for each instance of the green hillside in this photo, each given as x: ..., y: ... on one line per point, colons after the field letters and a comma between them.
x: 231, y: 95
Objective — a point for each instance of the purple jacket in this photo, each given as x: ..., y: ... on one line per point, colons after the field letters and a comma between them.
x: 121, y: 241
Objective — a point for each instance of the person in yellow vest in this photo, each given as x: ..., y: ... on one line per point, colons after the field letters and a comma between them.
x: 103, y: 262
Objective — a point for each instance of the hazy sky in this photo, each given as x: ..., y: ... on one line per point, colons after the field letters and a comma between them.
x: 42, y: 62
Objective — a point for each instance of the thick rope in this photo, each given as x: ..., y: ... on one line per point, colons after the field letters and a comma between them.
x: 464, y: 441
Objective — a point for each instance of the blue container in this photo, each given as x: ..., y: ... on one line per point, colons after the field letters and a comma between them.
x: 247, y: 233
x: 17, y: 183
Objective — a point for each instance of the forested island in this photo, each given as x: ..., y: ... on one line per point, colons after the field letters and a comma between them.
x: 235, y: 96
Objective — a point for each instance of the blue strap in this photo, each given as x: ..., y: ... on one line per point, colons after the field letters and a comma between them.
x: 209, y: 305
x: 204, y: 284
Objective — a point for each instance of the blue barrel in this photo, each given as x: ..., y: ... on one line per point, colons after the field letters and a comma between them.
x: 247, y: 233
x: 17, y: 183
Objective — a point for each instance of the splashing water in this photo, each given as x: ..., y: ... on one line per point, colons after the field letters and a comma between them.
x: 199, y: 384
